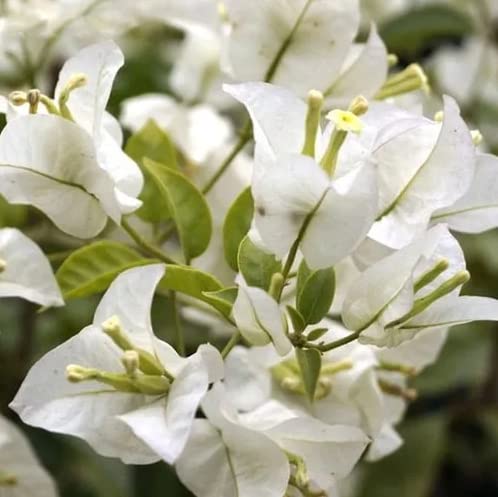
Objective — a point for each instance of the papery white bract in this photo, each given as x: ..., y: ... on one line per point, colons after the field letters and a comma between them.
x: 21, y: 474
x: 117, y: 423
x: 81, y: 165
x: 26, y: 272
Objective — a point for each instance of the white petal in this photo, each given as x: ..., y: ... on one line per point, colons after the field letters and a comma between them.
x: 477, y: 210
x: 18, y: 459
x: 278, y: 117
x: 343, y: 219
x: 87, y: 410
x: 260, y: 320
x: 165, y: 425
x: 28, y: 273
x: 437, y: 182
x: 317, y: 34
x: 364, y: 76
x: 236, y: 463
x: 381, y: 283
x: 387, y: 442
x: 283, y: 197
x: 130, y: 299
x: 100, y: 63
x: 453, y: 312
x: 50, y: 162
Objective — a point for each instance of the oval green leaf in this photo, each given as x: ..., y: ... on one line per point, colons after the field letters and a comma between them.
x: 310, y: 364
x: 315, y: 292
x: 256, y: 265
x: 236, y: 226
x: 187, y: 206
x: 92, y: 268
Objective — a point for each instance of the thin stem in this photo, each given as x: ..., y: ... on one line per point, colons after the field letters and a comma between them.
x: 245, y: 136
x: 179, y: 338
x: 338, y: 343
x: 145, y: 245
x: 231, y: 344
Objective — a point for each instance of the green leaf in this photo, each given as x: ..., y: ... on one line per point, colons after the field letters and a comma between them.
x: 256, y: 265
x: 297, y: 320
x: 411, y: 33
x: 310, y: 363
x: 236, y: 226
x: 222, y: 300
x: 189, y: 281
x: 188, y: 208
x: 315, y: 292
x: 151, y: 142
x: 316, y: 334
x: 92, y: 268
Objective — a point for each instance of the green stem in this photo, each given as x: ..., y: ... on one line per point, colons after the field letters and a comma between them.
x: 145, y: 245
x: 179, y: 338
x: 231, y: 344
x: 245, y: 136
x: 338, y: 343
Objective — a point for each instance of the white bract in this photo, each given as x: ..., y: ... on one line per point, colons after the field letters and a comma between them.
x: 303, y: 44
x: 131, y: 396
x: 292, y: 192
x: 413, y: 289
x: 74, y: 172
x: 25, y: 271
x: 21, y: 474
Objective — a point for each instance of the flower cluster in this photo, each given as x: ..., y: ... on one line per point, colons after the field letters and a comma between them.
x: 324, y: 256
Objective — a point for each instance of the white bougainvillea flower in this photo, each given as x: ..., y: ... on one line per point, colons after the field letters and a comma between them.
x: 25, y: 271
x: 199, y: 131
x: 327, y: 449
x: 477, y: 210
x: 21, y: 474
x: 288, y: 186
x: 260, y: 320
x: 130, y: 396
x: 82, y: 177
x: 411, y: 290
x: 337, y: 214
x: 299, y: 44
x: 422, y: 166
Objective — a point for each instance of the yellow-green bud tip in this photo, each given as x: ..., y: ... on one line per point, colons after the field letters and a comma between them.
x: 131, y: 362
x: 439, y: 116
x: 33, y: 96
x: 18, y: 98
x: 477, y: 137
x: 345, y: 120
x: 392, y: 59
x: 222, y: 11
x: 3, y: 265
x: 112, y: 325
x: 462, y: 277
x: 315, y: 99
x: 416, y: 71
x: 359, y: 105
x: 75, y: 373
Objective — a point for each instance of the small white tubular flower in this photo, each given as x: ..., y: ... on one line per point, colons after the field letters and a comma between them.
x: 199, y: 131
x: 422, y: 167
x: 50, y: 163
x: 260, y: 319
x: 280, y: 411
x: 299, y: 44
x: 477, y: 210
x: 338, y: 213
x: 25, y: 271
x: 98, y: 64
x: 21, y: 474
x: 82, y: 387
x: 413, y: 289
